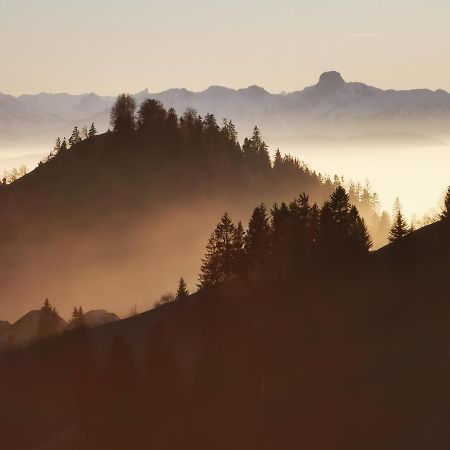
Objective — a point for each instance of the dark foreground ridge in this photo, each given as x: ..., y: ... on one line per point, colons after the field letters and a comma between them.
x: 354, y: 357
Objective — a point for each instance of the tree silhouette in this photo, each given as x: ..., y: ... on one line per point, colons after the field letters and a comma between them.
x: 256, y: 152
x: 122, y: 114
x: 239, y: 249
x: 182, y: 291
x: 151, y: 116
x: 49, y: 321
x: 277, y: 162
x: 399, y: 228
x: 56, y: 147
x: 92, y: 131
x: 342, y: 233
x: 77, y: 320
x: 219, y: 262
x: 257, y: 239
x: 445, y: 214
x: 75, y: 138
x: 229, y: 131
x: 63, y: 147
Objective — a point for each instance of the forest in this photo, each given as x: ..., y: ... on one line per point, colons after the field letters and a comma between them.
x: 113, y: 204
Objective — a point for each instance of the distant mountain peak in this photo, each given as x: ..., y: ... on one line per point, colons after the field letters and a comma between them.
x: 331, y: 80
x: 254, y: 90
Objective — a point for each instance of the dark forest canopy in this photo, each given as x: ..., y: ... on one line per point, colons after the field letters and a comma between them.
x: 201, y: 144
x: 294, y: 240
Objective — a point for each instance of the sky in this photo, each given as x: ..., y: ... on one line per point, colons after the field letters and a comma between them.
x: 110, y: 47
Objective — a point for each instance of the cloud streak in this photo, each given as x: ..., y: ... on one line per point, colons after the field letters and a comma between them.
x: 361, y: 35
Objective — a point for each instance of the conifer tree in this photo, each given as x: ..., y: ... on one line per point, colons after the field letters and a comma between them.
x: 74, y: 317
x: 278, y: 161
x: 399, y: 228
x: 256, y: 151
x: 219, y: 261
x: 77, y: 320
x: 238, y: 250
x: 445, y: 214
x: 359, y: 231
x: 342, y: 232
x: 229, y: 131
x: 75, y: 138
x: 182, y: 291
x: 56, y: 148
x: 210, y: 125
x: 257, y: 239
x: 49, y: 321
x: 92, y: 131
x: 63, y: 145
x: 172, y: 120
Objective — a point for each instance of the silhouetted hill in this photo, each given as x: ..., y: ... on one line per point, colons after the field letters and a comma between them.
x: 25, y: 330
x: 361, y: 352
x: 99, y: 317
x: 115, y: 212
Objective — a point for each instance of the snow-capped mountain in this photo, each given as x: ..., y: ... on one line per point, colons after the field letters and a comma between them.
x: 331, y: 107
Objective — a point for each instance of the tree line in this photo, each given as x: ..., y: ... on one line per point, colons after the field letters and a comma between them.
x: 293, y: 238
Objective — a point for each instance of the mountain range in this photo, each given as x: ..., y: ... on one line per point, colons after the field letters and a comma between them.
x: 332, y: 107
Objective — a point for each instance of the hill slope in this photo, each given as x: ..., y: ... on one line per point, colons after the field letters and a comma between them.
x: 103, y: 219
x: 363, y: 357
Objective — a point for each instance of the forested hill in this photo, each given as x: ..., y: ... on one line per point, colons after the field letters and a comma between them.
x: 355, y: 344
x: 111, y: 214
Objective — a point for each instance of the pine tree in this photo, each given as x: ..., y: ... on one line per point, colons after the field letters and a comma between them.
x: 210, y: 125
x: 92, y: 131
x: 256, y: 151
x: 182, y: 291
x: 238, y: 250
x: 74, y: 317
x: 75, y: 138
x: 399, y: 228
x: 56, y: 148
x: 359, y: 232
x: 49, y: 321
x: 278, y: 161
x: 77, y: 320
x: 342, y: 232
x: 63, y: 145
x: 218, y: 263
x: 229, y: 131
x: 445, y: 214
x: 257, y: 239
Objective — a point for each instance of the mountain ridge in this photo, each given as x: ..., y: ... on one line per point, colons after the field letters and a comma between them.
x: 332, y: 107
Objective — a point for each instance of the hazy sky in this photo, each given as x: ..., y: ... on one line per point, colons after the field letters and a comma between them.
x: 109, y: 47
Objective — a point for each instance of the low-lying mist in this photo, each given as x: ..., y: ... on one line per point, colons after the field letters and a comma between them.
x: 119, y: 264
x: 418, y: 175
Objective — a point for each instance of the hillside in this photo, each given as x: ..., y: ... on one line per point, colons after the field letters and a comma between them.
x: 364, y: 356
x: 103, y: 218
